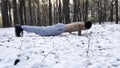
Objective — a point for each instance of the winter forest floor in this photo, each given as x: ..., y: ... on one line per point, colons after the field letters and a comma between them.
x: 98, y: 48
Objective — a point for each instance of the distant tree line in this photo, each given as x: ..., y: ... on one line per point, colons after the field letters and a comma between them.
x: 49, y: 12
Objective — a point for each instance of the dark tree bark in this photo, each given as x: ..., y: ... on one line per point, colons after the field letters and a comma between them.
x: 56, y: 12
x: 66, y: 11
x: 99, y: 11
x: 92, y: 9
x: 75, y: 11
x: 24, y: 12
x: 10, y: 15
x: 86, y: 10
x: 80, y: 12
x: 83, y: 10
x: 60, y: 11
x: 50, y: 12
x: 116, y: 3
x: 38, y: 15
x: 30, y: 13
x: 5, y: 16
x: 104, y: 11
x: 111, y: 10
x: 15, y: 15
x: 21, y: 8
x: 54, y: 18
x: 34, y: 13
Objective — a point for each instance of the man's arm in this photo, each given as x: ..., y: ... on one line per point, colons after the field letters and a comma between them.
x: 79, y: 31
x: 81, y: 26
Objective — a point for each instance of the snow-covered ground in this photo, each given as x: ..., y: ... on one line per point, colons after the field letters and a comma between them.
x: 98, y: 48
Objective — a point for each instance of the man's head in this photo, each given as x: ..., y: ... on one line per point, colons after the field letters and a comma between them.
x: 88, y: 24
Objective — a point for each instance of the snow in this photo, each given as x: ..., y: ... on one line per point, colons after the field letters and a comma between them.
x: 99, y: 47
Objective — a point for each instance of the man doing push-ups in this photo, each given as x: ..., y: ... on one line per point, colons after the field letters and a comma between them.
x: 54, y: 30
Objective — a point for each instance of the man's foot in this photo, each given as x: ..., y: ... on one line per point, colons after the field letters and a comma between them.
x: 18, y: 31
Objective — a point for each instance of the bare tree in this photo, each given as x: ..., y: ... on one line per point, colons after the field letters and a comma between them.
x: 10, y: 13
x: 76, y: 10
x: 105, y: 3
x: 15, y: 15
x: 30, y: 12
x: 37, y: 2
x: 60, y: 11
x: 50, y: 12
x: 83, y: 10
x: 22, y: 11
x: 86, y: 10
x: 116, y: 3
x: 5, y: 16
x: 66, y: 11
x: 99, y: 11
x: 111, y: 10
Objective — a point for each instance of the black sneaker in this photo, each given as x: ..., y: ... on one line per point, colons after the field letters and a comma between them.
x: 18, y: 31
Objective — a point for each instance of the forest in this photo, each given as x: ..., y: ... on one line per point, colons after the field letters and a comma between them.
x: 49, y: 12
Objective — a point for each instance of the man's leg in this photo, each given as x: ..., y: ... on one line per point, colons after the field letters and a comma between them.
x: 45, y: 31
x: 54, y: 30
x: 34, y: 29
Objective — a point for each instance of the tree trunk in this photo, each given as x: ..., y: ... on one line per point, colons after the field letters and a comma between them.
x: 24, y: 12
x: 86, y: 10
x: 75, y: 10
x: 21, y: 8
x: 60, y: 12
x: 83, y: 10
x: 50, y: 12
x: 30, y: 13
x: 111, y: 11
x: 66, y: 11
x: 99, y: 11
x: 15, y: 15
x: 10, y: 15
x: 116, y: 3
x: 79, y: 12
x: 38, y: 15
x: 104, y: 11
x: 5, y: 16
